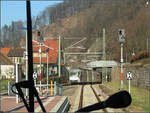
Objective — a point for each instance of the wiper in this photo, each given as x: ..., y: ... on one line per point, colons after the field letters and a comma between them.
x: 121, y: 99
x: 27, y: 84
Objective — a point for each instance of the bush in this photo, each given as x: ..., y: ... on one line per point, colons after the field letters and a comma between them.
x: 139, y: 55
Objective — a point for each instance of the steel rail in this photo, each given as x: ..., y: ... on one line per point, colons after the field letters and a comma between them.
x: 81, y: 98
x: 98, y: 99
x: 123, y: 109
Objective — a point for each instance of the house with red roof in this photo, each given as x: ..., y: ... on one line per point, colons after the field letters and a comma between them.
x: 52, y: 54
x: 16, y: 55
x: 5, y: 51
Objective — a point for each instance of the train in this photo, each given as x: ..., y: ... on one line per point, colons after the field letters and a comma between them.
x: 87, y: 76
x: 75, y: 75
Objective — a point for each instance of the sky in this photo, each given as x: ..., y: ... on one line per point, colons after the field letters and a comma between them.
x: 16, y: 10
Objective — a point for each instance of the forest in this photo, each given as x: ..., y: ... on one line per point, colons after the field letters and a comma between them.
x: 87, y: 18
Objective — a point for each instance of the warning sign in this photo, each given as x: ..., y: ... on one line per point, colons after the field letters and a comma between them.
x: 129, y: 75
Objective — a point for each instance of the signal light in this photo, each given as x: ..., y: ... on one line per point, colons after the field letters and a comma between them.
x: 39, y: 37
x: 120, y: 32
x: 121, y: 35
x: 38, y: 33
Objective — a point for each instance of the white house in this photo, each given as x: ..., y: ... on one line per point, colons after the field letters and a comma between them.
x: 6, y: 67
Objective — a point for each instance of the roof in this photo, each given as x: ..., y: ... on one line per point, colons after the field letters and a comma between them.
x: 52, y: 54
x: 5, y: 51
x: 16, y: 52
x: 102, y: 63
x: 4, y: 60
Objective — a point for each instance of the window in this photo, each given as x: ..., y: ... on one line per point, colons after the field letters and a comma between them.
x: 44, y: 55
x: 20, y: 60
x: 35, y: 54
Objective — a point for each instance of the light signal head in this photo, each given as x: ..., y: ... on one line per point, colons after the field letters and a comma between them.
x: 120, y: 32
x: 121, y: 35
x: 39, y: 37
x: 38, y: 33
x: 47, y: 50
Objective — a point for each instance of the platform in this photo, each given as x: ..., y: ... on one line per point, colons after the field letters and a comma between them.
x: 51, y: 104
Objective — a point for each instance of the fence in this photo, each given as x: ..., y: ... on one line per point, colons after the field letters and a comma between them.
x: 54, y: 89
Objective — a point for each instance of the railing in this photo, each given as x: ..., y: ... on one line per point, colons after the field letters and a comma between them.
x: 54, y: 89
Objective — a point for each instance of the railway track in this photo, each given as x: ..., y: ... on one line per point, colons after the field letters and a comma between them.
x: 81, y: 98
x: 88, y: 97
x: 91, y: 94
x: 122, y: 109
x: 97, y: 97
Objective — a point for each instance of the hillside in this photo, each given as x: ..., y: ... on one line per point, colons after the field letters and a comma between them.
x: 140, y: 63
x: 112, y: 15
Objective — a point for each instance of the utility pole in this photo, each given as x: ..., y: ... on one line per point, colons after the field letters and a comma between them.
x: 17, y: 80
x: 40, y: 52
x: 147, y: 44
x: 92, y: 76
x: 104, y: 45
x: 104, y: 57
x: 126, y: 58
x: 59, y: 58
x: 122, y: 66
x: 40, y: 40
x: 47, y: 70
x: 26, y: 62
x: 26, y: 57
x: 87, y: 75
x: 64, y: 57
x: 63, y: 50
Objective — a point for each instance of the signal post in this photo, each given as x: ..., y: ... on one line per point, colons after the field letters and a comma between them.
x: 40, y: 40
x: 121, y: 35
